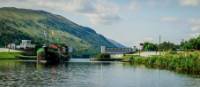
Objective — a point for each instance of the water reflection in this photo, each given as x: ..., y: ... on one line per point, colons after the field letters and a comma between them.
x: 78, y: 73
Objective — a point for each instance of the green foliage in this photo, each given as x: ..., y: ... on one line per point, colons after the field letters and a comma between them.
x: 150, y: 47
x: 9, y: 55
x: 167, y: 46
x: 192, y: 44
x: 103, y: 57
x: 187, y: 62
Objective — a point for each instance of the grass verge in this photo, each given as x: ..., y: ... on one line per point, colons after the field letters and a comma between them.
x: 185, y: 62
x: 9, y: 55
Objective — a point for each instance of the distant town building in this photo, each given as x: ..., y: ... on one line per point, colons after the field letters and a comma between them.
x: 70, y: 49
x: 117, y: 50
x: 11, y: 46
x: 103, y: 49
x: 25, y: 44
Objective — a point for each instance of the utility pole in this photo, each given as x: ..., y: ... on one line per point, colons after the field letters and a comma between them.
x: 159, y: 39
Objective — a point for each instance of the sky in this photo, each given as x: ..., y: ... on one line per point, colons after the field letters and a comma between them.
x: 128, y: 22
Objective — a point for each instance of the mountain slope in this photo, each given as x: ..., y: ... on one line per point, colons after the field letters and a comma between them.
x: 117, y: 44
x: 17, y: 24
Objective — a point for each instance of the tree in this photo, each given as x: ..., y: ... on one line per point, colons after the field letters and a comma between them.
x: 165, y: 46
x: 147, y: 46
x: 191, y: 44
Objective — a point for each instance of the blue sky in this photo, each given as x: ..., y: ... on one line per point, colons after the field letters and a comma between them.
x: 126, y: 21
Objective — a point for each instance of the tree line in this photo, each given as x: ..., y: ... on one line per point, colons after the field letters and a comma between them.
x: 191, y: 44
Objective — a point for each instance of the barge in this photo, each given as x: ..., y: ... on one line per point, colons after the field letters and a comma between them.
x: 53, y: 54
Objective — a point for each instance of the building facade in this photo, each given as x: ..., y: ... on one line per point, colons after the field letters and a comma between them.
x: 26, y: 44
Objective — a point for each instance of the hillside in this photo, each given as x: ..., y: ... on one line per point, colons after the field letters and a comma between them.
x: 17, y: 24
x: 117, y: 44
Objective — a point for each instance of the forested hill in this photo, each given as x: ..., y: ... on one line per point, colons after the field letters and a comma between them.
x: 17, y: 24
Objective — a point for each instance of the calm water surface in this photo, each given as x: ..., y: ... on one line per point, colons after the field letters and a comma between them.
x: 82, y: 73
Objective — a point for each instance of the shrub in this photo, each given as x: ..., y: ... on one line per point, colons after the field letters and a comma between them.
x: 182, y: 62
x: 103, y: 56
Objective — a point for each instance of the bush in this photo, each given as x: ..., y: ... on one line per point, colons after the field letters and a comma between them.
x: 103, y: 56
x: 182, y: 62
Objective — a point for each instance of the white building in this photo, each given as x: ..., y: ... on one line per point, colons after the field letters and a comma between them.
x: 11, y: 46
x: 70, y: 49
x: 26, y: 44
x: 103, y: 49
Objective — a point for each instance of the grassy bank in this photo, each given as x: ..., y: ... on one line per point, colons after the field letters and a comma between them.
x: 9, y: 55
x: 186, y: 62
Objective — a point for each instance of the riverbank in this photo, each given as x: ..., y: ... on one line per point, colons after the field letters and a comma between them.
x: 9, y: 55
x: 186, y: 62
x: 8, y: 50
x: 105, y: 57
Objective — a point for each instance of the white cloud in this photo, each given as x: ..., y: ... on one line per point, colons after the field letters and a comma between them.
x: 195, y: 25
x: 169, y: 19
x: 189, y: 2
x: 194, y: 35
x: 195, y: 28
x: 148, y: 39
x: 105, y: 13
x: 98, y: 11
x: 106, y: 19
x: 134, y: 6
x: 158, y: 3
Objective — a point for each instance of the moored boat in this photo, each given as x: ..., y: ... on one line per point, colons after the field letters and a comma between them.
x: 53, y: 54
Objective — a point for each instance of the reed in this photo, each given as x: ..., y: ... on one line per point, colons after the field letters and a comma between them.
x: 186, y: 62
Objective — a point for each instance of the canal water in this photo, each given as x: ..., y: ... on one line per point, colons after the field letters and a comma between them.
x: 83, y: 73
